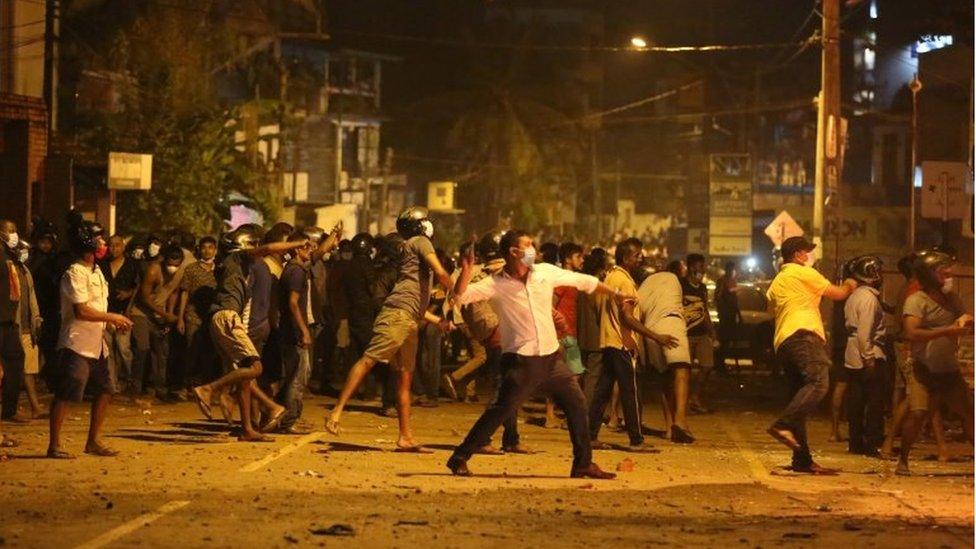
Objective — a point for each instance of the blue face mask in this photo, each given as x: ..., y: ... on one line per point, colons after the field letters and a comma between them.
x: 529, y: 258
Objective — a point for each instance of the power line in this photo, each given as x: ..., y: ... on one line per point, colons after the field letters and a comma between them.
x: 562, y: 48
x: 785, y: 106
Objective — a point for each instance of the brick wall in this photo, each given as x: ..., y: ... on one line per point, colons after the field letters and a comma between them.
x: 17, y: 181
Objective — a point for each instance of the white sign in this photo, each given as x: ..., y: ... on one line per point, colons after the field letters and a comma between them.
x: 129, y: 172
x: 944, y: 190
x: 783, y: 227
x: 440, y: 196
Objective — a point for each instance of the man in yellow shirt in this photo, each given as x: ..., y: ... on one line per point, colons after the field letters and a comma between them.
x: 800, y: 343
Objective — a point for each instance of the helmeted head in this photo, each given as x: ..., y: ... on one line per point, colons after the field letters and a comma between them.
x: 86, y: 237
x: 362, y: 244
x: 245, y: 237
x: 415, y: 221
x: 487, y: 248
x: 933, y: 269
x: 866, y: 269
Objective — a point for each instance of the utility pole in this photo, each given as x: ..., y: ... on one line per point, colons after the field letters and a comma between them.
x: 827, y: 172
x: 52, y: 45
x: 915, y: 86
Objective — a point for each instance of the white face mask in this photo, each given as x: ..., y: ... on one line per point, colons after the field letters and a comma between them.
x: 154, y: 250
x: 171, y: 269
x: 428, y: 228
x: 529, y: 258
x: 947, y: 285
x: 12, y: 240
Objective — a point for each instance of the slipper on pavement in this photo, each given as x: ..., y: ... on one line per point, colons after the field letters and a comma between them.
x: 413, y: 450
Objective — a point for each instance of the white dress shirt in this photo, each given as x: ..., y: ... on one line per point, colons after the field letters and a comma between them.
x: 83, y: 285
x: 525, y: 310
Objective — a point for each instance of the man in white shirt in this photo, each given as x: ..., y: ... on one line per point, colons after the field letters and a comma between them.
x: 521, y: 295
x: 83, y: 354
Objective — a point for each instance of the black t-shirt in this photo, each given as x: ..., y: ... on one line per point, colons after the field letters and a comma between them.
x: 126, y: 279
x: 412, y: 289
x: 232, y: 287
x: 694, y: 301
x: 294, y: 278
x: 357, y: 285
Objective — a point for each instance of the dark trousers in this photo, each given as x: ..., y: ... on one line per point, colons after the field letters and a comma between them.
x: 524, y: 376
x: 618, y: 367
x: 150, y: 354
x: 804, y: 358
x: 493, y: 362
x: 12, y: 355
x: 866, y: 391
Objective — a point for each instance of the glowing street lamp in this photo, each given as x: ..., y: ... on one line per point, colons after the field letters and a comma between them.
x: 638, y: 42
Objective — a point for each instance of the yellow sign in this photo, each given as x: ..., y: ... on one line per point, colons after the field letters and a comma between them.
x: 129, y: 172
x: 440, y: 196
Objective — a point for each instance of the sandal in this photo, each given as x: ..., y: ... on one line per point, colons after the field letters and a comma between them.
x: 101, y: 451
x: 59, y: 454
x: 203, y: 404
x: 273, y: 422
x: 259, y: 438
x: 332, y: 427
x: 413, y: 450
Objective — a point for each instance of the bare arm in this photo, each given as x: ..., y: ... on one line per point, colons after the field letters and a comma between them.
x: 443, y: 278
x: 914, y: 332
x: 84, y: 312
x: 275, y: 248
x: 181, y: 311
x: 629, y: 319
x: 842, y: 292
x: 153, y: 277
x: 329, y: 243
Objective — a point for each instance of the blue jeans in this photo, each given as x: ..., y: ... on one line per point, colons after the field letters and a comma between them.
x: 296, y: 369
x: 806, y: 362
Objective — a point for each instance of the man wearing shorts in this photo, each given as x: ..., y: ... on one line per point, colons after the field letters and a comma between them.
x: 229, y: 331
x: 659, y: 300
x: 395, y: 330
x: 934, y: 320
x: 83, y: 353
x: 800, y: 344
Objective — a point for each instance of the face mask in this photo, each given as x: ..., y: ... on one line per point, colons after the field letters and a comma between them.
x: 428, y: 228
x: 947, y: 285
x: 137, y: 253
x: 346, y: 256
x: 101, y: 252
x: 12, y: 240
x: 171, y: 269
x: 23, y: 256
x: 529, y: 258
x: 208, y: 260
x: 287, y: 257
x: 154, y: 250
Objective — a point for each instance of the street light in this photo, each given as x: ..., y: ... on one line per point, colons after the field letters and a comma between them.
x: 638, y: 42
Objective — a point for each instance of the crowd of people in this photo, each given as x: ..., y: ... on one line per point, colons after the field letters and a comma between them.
x: 246, y: 322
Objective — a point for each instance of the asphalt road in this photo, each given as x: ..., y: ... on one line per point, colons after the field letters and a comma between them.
x: 181, y: 480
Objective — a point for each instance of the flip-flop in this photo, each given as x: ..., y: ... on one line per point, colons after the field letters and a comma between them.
x: 261, y: 438
x: 788, y: 441
x: 273, y: 422
x: 412, y: 450
x: 203, y: 404
x: 59, y: 454
x: 101, y: 451
x: 332, y: 427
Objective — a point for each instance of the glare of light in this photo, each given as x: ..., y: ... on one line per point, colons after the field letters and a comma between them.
x: 874, y: 9
x: 918, y: 177
x: 751, y: 263
x: 638, y: 42
x: 933, y: 42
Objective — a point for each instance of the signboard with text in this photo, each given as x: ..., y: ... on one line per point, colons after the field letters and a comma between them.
x: 730, y: 204
x: 129, y: 171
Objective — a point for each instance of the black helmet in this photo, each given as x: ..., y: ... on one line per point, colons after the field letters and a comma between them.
x: 362, y: 244
x: 865, y: 269
x: 487, y: 248
x: 927, y: 263
x: 315, y: 234
x: 411, y: 222
x: 245, y: 237
x: 83, y: 237
x: 44, y: 229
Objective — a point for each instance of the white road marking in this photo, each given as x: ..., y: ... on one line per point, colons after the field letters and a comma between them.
x: 133, y: 525
x: 284, y: 451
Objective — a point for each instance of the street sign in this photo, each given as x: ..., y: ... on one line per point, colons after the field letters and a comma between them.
x: 129, y: 172
x: 440, y: 196
x: 783, y: 227
x: 730, y: 205
x: 944, y: 190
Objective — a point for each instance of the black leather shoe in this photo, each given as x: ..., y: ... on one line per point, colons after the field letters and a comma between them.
x: 459, y: 467
x: 594, y: 472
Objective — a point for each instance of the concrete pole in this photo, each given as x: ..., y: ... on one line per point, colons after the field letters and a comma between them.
x: 827, y: 172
